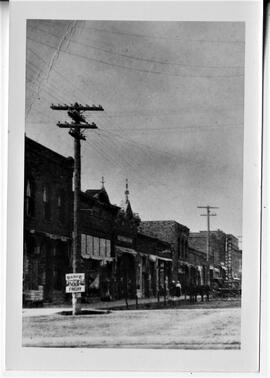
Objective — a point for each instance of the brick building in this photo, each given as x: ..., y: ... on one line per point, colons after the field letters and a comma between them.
x: 176, y: 235
x: 237, y: 264
x: 47, y: 224
x: 233, y: 258
x: 97, y: 216
x: 222, y: 255
x: 155, y: 265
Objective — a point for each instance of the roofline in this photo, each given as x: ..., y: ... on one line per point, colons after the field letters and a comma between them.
x: 88, y: 197
x: 166, y: 221
x: 44, y: 148
x: 153, y: 238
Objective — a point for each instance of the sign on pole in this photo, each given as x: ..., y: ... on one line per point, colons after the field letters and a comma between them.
x: 75, y: 283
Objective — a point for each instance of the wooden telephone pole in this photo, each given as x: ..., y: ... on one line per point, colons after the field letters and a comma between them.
x: 76, y: 129
x: 208, y: 215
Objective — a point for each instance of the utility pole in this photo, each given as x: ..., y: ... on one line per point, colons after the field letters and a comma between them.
x: 76, y: 130
x: 208, y: 215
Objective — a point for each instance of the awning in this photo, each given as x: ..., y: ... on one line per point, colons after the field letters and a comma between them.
x: 51, y: 236
x: 216, y: 269
x: 164, y: 258
x: 121, y: 250
x: 101, y: 258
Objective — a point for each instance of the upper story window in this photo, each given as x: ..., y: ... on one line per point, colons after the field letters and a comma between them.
x: 186, y: 249
x: 46, y: 198
x: 30, y: 203
x: 178, y: 248
x: 61, y: 205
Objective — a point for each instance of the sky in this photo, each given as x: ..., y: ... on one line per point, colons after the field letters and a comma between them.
x: 173, y: 119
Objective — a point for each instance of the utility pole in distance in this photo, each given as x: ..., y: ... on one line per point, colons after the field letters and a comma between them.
x: 76, y: 129
x: 208, y: 215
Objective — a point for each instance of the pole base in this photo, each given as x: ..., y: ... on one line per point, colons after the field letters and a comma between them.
x: 76, y: 305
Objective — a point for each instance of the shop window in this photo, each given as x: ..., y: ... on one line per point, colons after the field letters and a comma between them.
x: 46, y: 202
x: 108, y: 248
x: 102, y: 243
x: 96, y: 247
x: 92, y: 246
x: 30, y: 208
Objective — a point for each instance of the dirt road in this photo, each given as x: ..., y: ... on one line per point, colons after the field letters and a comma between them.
x: 192, y: 328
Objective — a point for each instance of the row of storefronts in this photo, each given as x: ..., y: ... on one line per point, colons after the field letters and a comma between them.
x: 121, y: 256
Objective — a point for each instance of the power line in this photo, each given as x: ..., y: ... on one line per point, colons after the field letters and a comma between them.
x: 148, y: 60
x: 179, y: 128
x: 50, y: 85
x: 152, y: 113
x: 162, y: 37
x: 132, y: 68
x: 66, y: 79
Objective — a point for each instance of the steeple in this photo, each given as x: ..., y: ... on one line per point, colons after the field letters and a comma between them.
x: 102, y: 182
x: 127, y: 191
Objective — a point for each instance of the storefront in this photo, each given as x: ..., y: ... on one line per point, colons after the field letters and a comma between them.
x: 98, y: 266
x: 164, y: 274
x: 125, y: 272
x: 46, y: 260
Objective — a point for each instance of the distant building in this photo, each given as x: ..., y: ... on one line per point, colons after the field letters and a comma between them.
x: 224, y: 256
x: 237, y: 264
x: 233, y: 259
x: 188, y: 265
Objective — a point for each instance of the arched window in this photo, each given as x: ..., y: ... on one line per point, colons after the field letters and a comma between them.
x: 46, y: 199
x: 29, y: 194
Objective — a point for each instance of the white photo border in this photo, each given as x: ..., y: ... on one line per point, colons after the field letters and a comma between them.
x: 137, y: 360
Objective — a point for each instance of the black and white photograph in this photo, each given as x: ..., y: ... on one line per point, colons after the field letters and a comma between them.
x: 134, y: 187
x: 133, y: 184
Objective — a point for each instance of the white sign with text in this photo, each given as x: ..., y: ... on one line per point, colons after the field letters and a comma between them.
x: 75, y: 283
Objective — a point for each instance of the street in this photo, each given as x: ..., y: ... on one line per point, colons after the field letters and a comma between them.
x: 179, y: 328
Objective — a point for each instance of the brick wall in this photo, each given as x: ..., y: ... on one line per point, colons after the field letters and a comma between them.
x: 198, y: 241
x: 171, y: 232
x: 45, y: 168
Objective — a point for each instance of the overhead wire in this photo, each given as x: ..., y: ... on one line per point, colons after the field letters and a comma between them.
x: 148, y: 60
x: 163, y: 37
x: 67, y: 80
x: 134, y: 68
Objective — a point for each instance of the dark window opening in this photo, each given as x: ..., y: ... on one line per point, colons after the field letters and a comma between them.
x: 61, y: 205
x: 30, y: 204
x: 46, y: 203
x: 178, y: 248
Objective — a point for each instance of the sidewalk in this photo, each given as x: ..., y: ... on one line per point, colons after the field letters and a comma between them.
x: 121, y: 303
